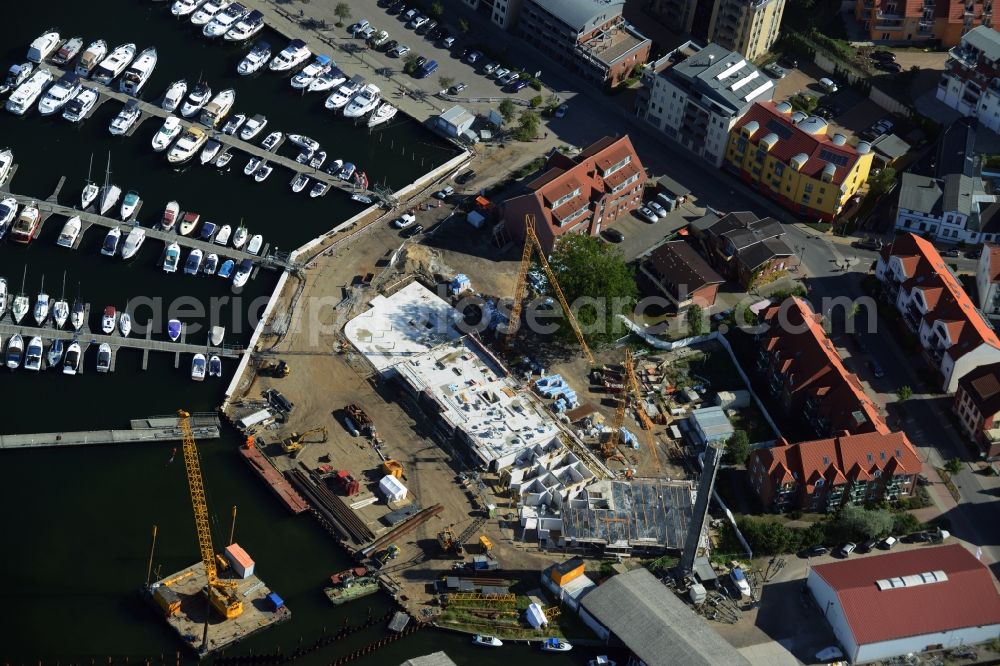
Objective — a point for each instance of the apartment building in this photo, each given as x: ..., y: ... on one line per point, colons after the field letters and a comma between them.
x: 988, y: 282
x: 699, y: 95
x: 954, y: 335
x: 970, y: 83
x: 681, y: 275
x: 790, y: 157
x: 749, y: 27
x: 806, y: 375
x: 580, y: 194
x: 977, y: 405
x: 915, y: 21
x: 744, y: 248
x: 504, y: 13
x: 953, y: 209
x: 825, y: 474
x: 590, y: 37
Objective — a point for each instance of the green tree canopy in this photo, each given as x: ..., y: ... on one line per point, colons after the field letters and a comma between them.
x: 738, y: 448
x: 598, y: 285
x: 695, y: 320
x: 507, y: 110
x: 446, y: 81
x: 855, y: 523
x: 437, y: 9
x: 953, y: 466
x: 904, y: 393
x: 527, y: 126
x: 767, y: 537
x: 342, y: 11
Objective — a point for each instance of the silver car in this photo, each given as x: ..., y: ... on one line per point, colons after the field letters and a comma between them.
x: 656, y: 208
x: 646, y: 214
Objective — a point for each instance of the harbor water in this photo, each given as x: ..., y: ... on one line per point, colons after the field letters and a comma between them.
x: 78, y: 519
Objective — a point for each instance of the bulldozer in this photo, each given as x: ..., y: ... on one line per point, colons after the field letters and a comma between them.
x: 278, y: 369
x: 296, y: 442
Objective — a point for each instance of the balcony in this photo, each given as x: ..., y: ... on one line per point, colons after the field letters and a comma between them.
x: 966, y: 56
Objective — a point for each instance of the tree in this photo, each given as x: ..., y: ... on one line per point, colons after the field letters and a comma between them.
x: 527, y: 126
x: 507, y: 110
x: 883, y: 182
x: 904, y: 393
x: 598, y: 285
x: 437, y: 9
x: 855, y: 523
x: 343, y: 12
x: 410, y: 63
x: 767, y: 537
x: 738, y: 448
x: 695, y: 320
x: 464, y: 26
x: 953, y: 466
x: 904, y: 522
x: 445, y: 82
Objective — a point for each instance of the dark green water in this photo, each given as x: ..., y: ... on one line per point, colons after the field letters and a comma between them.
x: 77, y: 521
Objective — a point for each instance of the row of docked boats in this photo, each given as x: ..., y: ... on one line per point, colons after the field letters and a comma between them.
x: 59, y: 311
x: 232, y: 21
x: 65, y: 355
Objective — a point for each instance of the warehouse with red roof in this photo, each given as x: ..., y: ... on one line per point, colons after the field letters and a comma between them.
x: 883, y: 606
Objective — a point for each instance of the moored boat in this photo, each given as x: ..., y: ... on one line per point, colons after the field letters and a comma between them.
x: 104, y: 358
x: 78, y: 107
x: 256, y: 241
x: 33, y: 354
x: 319, y: 66
x: 16, y: 75
x: 319, y: 188
x: 114, y: 64
x: 209, y: 10
x: 191, y: 141
x: 70, y: 232
x: 193, y: 263
x: 226, y: 269
x: 220, y: 106
x: 43, y: 46
x: 225, y: 20
x: 210, y: 151
x: 290, y: 57
x: 253, y: 127
x: 304, y: 142
x: 211, y: 264
x: 198, y: 364
x: 487, y: 641
x: 240, y: 236
x: 188, y: 223
x: 207, y: 232
x: 299, y: 182
x: 139, y: 72
x: 130, y: 204
x: 196, y: 99
x: 26, y: 94
x: 171, y: 258
x: 3, y: 296
x: 242, y: 273
x: 252, y: 165
x: 222, y: 237
x: 246, y: 28
x: 216, y: 334
x: 109, y: 247
x: 15, y: 351
x: 174, y: 329
x: 353, y: 587
x: 124, y: 324
x: 133, y: 242
x: 271, y: 141
x: 6, y: 164
x: 383, y: 114
x: 317, y: 159
x: 363, y: 102
x: 90, y: 188
x: 109, y: 320
x: 126, y: 118
x: 174, y: 95
x: 60, y: 93
x: 234, y: 124
x: 169, y: 131
x: 68, y: 50
x: 26, y: 226
x: 255, y: 59
x: 170, y: 214
x: 8, y: 209
x: 92, y: 57
x: 223, y: 159
x: 214, y: 366
x: 328, y: 80
x: 55, y: 355
x: 185, y: 7
x: 263, y: 172
x: 71, y: 362
x: 556, y: 645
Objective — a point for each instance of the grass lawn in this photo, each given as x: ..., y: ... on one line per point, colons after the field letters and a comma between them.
x: 505, y: 621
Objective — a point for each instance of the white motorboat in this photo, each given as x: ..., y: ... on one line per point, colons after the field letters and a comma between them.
x: 317, y: 159
x: 339, y: 98
x: 304, y: 157
x: 321, y: 65
x: 133, y: 242
x: 255, y: 60
x: 196, y: 100
x: 222, y: 237
x: 26, y: 226
x: 43, y: 46
x: 33, y: 355
x: 78, y: 314
x: 15, y: 351
x: 271, y: 141
x: 223, y: 159
x: 108, y: 194
x: 253, y: 247
x: 71, y: 362
x: 234, y: 124
x: 193, y: 263
x: 330, y: 79
x: 252, y: 165
x: 109, y: 320
x: 130, y: 203
x: 114, y: 64
x: 3, y: 296
x: 220, y: 106
x: 364, y: 102
x: 253, y: 127
x: 210, y: 151
x: 109, y: 247
x: 299, y: 182
x: 170, y: 213
x: 16, y: 75
x: 246, y: 27
x: 70, y: 232
x: 556, y: 645
x: 104, y: 358
x: 167, y: 133
x: 214, y: 366
x: 225, y: 20
x: 8, y: 209
x: 263, y: 172
x: 198, y: 367
x: 383, y: 114
x: 191, y: 141
x: 304, y: 142
x: 26, y: 94
x: 209, y: 11
x: 188, y: 223
x: 487, y: 641
x: 319, y: 188
x: 126, y: 118
x: 61, y: 92
x: 242, y: 273
x: 290, y: 57
x: 68, y: 50
x: 216, y: 335
x: 240, y: 236
x: 125, y: 323
x: 138, y: 73
x: 41, y: 311
x: 78, y: 107
x: 90, y: 189
x: 171, y: 258
x: 211, y: 264
x: 6, y: 164
x: 174, y: 95
x: 55, y: 355
x: 92, y: 57
x: 185, y: 7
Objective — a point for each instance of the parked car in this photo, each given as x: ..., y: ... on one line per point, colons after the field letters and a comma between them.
x: 918, y: 537
x: 412, y: 231
x: 887, y: 66
x: 508, y: 77
x: 465, y: 177
x: 657, y: 208
x: 419, y: 62
x: 418, y: 21
x: 867, y: 244
x: 518, y: 86
x: 426, y: 28
x: 828, y: 85
x: 975, y: 252
x: 885, y: 56
x: 444, y: 193
x: 490, y: 68
x: 457, y: 88
x: 867, y: 546
x: 389, y: 45
x: 474, y: 56
x: 448, y: 42
x: 561, y: 111
x: 775, y: 71
x: 405, y: 220
x: 828, y: 654
x: 846, y: 549
x: 400, y: 51
x: 355, y: 28
x: 815, y: 551
x: 876, y: 369
x: 888, y: 543
x: 613, y: 235
x: 950, y: 252
x: 646, y: 214
x: 437, y: 33
x: 789, y: 61
x: 409, y: 14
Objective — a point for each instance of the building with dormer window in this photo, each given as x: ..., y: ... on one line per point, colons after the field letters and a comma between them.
x: 970, y: 83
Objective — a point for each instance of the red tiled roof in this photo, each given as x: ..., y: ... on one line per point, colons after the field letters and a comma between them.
x: 993, y: 252
x: 799, y: 142
x: 982, y: 385
x: 967, y: 599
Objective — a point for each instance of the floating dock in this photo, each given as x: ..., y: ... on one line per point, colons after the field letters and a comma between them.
x: 157, y: 429
x: 188, y: 619
x: 267, y: 471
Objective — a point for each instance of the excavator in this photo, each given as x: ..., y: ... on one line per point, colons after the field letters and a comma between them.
x: 222, y: 594
x: 296, y: 442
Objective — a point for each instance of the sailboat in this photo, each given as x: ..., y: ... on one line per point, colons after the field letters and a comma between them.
x: 42, y: 305
x: 110, y: 192
x: 90, y: 190
x: 21, y: 301
x: 125, y: 322
x: 3, y: 296
x: 79, y: 314
x: 60, y: 309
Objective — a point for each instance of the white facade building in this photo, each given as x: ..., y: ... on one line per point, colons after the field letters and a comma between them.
x: 953, y: 209
x: 988, y: 281
x: 697, y: 101
x: 970, y: 83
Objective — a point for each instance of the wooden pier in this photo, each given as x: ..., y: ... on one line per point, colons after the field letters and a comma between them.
x: 154, y: 429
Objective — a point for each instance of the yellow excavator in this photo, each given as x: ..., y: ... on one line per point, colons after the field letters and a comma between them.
x: 222, y: 594
x: 294, y: 444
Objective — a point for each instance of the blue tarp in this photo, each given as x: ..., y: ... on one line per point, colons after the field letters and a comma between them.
x: 275, y: 600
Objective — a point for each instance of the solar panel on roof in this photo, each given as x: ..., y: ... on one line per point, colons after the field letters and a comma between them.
x: 779, y: 128
x: 833, y: 158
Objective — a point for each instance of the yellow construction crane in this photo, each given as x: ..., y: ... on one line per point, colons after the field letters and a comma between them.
x: 520, y: 287
x: 296, y: 442
x: 632, y: 382
x: 221, y: 593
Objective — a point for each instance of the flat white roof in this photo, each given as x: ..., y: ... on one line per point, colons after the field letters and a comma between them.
x: 477, y: 397
x: 411, y: 321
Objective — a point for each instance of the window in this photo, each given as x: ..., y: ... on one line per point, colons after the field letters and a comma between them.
x: 808, y: 187
x: 563, y: 199
x: 820, y: 482
x: 779, y: 168
x: 877, y: 473
x: 617, y: 167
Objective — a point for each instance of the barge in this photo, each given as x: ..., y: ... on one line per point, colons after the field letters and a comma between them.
x: 267, y: 471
